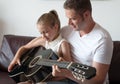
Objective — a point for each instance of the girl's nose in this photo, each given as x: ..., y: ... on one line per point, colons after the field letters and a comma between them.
x: 43, y: 35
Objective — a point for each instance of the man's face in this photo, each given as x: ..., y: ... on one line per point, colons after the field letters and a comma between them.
x: 76, y: 21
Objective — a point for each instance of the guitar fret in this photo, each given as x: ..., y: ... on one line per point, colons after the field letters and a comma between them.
x: 52, y: 62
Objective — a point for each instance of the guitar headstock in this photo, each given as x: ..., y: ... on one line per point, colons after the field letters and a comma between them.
x: 81, y: 71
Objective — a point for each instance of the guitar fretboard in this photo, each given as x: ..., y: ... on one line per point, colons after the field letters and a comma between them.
x: 47, y: 62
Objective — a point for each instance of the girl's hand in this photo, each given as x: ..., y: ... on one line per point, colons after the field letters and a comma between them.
x: 13, y: 63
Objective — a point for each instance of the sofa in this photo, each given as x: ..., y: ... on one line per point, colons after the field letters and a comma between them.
x: 11, y: 43
x: 9, y: 46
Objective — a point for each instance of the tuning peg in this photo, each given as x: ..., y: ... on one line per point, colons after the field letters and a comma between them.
x: 77, y: 76
x: 83, y: 79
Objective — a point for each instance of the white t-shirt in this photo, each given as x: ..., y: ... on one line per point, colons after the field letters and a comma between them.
x: 96, y: 46
x: 55, y: 45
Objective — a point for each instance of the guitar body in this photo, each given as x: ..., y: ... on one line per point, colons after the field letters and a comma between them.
x: 36, y: 73
x: 36, y: 66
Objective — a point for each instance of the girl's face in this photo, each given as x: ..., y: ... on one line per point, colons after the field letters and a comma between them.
x: 47, y: 32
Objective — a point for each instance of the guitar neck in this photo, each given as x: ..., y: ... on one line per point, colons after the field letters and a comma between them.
x: 61, y: 64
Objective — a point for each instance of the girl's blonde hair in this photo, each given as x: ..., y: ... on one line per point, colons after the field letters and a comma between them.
x: 50, y: 19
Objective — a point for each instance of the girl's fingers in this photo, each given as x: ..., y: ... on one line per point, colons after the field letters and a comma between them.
x: 60, y: 59
x: 10, y: 67
x: 18, y: 62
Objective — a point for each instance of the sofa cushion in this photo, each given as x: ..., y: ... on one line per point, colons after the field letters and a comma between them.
x: 114, y: 71
x: 10, y: 45
x: 4, y: 79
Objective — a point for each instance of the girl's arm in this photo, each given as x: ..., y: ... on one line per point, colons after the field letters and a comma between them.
x: 34, y: 43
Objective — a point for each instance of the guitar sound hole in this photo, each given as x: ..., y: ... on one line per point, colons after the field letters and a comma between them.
x: 32, y: 63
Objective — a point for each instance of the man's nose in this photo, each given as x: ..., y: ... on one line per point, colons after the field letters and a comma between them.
x: 69, y: 22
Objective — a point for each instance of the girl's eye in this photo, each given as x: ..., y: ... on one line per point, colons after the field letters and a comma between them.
x: 44, y: 32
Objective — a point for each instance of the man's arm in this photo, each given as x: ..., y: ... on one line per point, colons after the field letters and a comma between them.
x: 100, y: 77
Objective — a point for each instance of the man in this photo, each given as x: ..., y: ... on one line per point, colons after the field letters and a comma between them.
x: 90, y: 43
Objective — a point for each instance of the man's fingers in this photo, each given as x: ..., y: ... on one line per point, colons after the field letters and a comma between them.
x: 56, y: 68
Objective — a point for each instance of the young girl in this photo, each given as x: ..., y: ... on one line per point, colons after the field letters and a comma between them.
x: 49, y: 27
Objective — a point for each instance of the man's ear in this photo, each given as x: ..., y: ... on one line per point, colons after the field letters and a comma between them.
x: 86, y: 14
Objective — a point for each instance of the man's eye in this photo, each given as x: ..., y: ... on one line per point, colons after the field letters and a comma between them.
x: 41, y: 33
x: 73, y: 18
x: 46, y: 31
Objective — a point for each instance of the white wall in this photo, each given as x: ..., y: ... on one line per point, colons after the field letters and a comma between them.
x: 19, y: 16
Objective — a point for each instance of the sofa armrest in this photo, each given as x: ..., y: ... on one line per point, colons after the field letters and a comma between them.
x: 114, y: 71
x: 9, y: 47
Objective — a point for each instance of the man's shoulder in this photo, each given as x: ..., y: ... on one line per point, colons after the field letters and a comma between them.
x: 66, y: 28
x: 66, y: 31
x: 99, y: 30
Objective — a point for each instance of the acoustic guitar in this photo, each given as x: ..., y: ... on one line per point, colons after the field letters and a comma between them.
x: 36, y: 66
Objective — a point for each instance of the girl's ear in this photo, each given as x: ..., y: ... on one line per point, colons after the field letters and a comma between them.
x: 56, y: 26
